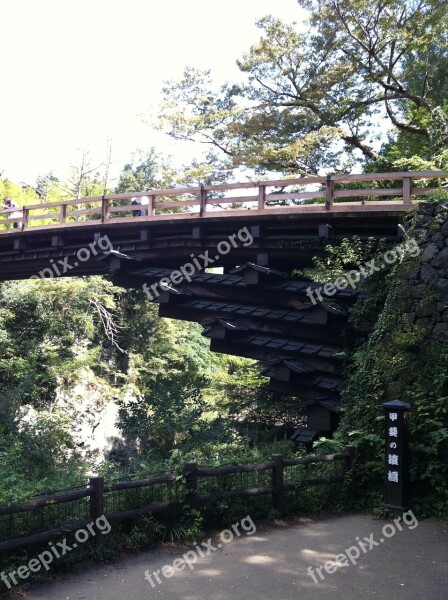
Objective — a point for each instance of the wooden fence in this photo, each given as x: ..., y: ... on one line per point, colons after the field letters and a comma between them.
x: 207, y: 201
x: 97, y: 492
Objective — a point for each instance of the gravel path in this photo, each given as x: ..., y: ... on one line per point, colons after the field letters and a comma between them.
x: 411, y: 564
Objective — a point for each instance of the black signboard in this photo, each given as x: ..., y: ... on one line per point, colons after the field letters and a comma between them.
x: 396, y: 459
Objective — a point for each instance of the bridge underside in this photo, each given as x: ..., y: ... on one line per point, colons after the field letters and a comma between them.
x: 290, y: 240
x: 252, y: 307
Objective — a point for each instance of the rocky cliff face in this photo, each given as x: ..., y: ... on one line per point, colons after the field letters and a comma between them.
x: 425, y: 282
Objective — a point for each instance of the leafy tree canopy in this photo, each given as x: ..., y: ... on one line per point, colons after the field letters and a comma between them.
x: 321, y: 97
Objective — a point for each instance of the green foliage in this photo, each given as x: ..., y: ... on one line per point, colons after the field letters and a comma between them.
x: 397, y: 360
x: 341, y: 256
x: 146, y: 171
x: 51, y: 340
x: 312, y: 97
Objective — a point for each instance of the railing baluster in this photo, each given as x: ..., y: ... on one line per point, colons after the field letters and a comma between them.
x: 151, y: 208
x: 63, y: 213
x: 407, y: 188
x: 25, y: 215
x: 261, y: 197
x: 203, y: 201
x: 329, y: 189
x: 104, y: 209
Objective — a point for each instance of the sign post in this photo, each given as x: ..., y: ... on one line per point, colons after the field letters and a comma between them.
x: 396, y: 455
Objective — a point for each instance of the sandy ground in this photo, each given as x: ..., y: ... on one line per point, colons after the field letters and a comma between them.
x: 411, y: 564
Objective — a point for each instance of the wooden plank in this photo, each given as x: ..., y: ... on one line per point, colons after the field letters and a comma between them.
x: 346, y: 207
x: 369, y: 192
x: 8, y: 212
x: 167, y: 192
x: 45, y: 536
x: 157, y: 206
x: 238, y: 493
x: 85, y: 200
x: 233, y: 200
x: 33, y: 505
x: 131, y: 485
x: 180, y: 204
x: 126, y: 208
x: 127, y: 195
x: 12, y: 220
x: 45, y: 217
x: 164, y: 217
x: 227, y: 470
x: 264, y: 352
x: 87, y: 211
x: 304, y: 392
x: 390, y: 176
x: 416, y: 191
x: 296, y: 195
x: 304, y: 483
x: 134, y: 513
x: 268, y: 183
x: 307, y: 332
x: 339, y: 207
x: 314, y: 459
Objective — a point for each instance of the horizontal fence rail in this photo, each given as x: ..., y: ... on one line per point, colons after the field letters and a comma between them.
x: 176, y: 488
x: 260, y: 197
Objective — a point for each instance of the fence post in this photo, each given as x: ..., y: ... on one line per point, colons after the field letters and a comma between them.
x: 277, y: 483
x: 96, y: 484
x: 191, y: 481
x: 350, y: 460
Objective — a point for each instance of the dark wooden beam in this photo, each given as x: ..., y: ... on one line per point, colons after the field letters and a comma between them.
x: 265, y: 354
x: 322, y: 334
x: 302, y: 392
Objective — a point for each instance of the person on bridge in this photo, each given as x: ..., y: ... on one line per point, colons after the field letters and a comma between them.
x: 142, y: 201
x: 8, y: 203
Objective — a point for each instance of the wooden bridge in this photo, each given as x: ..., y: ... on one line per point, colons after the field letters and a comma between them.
x: 256, y: 233
x: 180, y: 221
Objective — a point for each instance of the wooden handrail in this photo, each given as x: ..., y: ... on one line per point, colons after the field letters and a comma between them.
x: 201, y: 199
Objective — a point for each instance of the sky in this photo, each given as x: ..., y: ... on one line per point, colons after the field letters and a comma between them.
x: 78, y: 73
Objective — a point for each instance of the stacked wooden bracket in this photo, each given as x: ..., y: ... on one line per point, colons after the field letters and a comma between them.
x: 264, y: 314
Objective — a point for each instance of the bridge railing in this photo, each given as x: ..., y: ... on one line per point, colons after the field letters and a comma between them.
x: 331, y: 193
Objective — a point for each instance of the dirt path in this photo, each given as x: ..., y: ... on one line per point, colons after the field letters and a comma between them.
x: 411, y: 564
